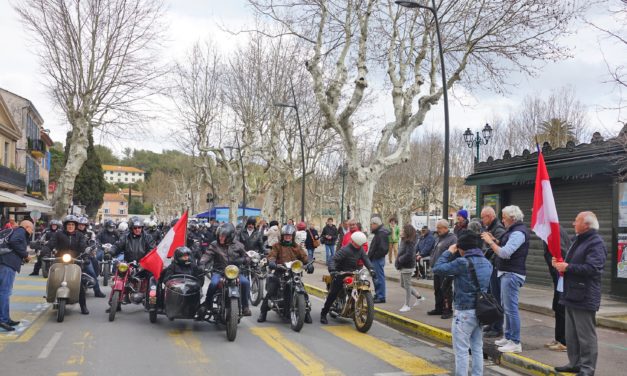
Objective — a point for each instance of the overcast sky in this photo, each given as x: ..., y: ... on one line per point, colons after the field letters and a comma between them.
x: 193, y: 20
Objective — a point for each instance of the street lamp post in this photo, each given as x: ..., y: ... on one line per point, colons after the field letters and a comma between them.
x: 477, y: 141
x: 433, y: 9
x: 343, y: 172
x: 283, y: 204
x: 294, y: 105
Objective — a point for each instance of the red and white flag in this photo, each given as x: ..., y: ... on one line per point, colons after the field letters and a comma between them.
x: 156, y: 259
x: 544, y: 221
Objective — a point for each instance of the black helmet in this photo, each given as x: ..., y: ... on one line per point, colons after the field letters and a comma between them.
x: 83, y: 221
x: 288, y: 230
x: 173, y: 222
x: 70, y: 218
x: 109, y: 225
x: 193, y: 226
x: 227, y: 230
x: 179, y: 253
x: 136, y: 222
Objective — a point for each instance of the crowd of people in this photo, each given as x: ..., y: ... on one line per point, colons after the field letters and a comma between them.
x: 479, y: 255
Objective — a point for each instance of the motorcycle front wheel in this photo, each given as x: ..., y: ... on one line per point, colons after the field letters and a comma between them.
x: 232, y: 318
x: 364, y: 311
x: 106, y: 273
x: 115, y: 300
x: 256, y: 290
x: 297, y: 312
x: 61, y: 310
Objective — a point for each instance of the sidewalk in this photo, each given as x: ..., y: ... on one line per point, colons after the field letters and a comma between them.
x: 537, y: 322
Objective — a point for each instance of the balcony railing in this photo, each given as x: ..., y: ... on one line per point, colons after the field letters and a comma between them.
x: 36, y: 188
x: 36, y: 147
x: 12, y: 177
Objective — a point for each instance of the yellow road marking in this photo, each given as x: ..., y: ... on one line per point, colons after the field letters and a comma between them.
x: 31, y: 278
x: 41, y: 288
x: 79, y: 357
x: 27, y: 299
x: 191, y: 354
x: 68, y: 374
x: 300, y: 357
x: 39, y: 320
x: 34, y: 328
x: 392, y: 355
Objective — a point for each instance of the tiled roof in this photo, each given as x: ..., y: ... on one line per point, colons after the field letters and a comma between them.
x: 114, y: 197
x: 121, y: 169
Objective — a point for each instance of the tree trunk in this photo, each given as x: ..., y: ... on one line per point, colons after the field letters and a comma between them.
x: 77, y: 155
x: 364, y: 192
x: 233, y: 198
x: 267, y: 209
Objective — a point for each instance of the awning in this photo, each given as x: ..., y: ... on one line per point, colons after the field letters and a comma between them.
x: 13, y: 200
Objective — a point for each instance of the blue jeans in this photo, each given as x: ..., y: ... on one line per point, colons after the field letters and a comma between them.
x: 467, y: 335
x: 330, y: 250
x: 213, y: 286
x: 7, y: 277
x: 379, y: 282
x: 495, y: 290
x: 510, y: 288
x: 89, y: 269
x: 310, y: 253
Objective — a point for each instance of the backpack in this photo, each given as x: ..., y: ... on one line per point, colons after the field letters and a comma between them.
x: 488, y: 309
x: 4, y: 241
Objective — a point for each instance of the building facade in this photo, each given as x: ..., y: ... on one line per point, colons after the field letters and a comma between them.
x: 114, y: 207
x: 589, y: 176
x: 122, y: 174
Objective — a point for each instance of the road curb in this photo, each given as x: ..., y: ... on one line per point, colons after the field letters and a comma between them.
x: 512, y: 361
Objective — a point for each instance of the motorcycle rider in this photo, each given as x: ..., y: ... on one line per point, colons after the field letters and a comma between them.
x: 283, y: 252
x: 53, y: 227
x: 221, y: 253
x: 181, y: 264
x: 92, y: 265
x: 72, y: 242
x: 345, y: 260
x: 153, y: 231
x: 250, y: 237
x: 108, y: 235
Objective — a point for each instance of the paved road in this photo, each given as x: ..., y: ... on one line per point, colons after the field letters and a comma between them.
x: 90, y: 345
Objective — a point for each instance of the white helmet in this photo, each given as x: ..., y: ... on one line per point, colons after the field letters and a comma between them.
x: 359, y: 238
x: 146, y: 222
x: 123, y: 226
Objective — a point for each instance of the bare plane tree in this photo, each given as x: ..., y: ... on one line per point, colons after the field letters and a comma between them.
x: 351, y: 41
x: 99, y: 58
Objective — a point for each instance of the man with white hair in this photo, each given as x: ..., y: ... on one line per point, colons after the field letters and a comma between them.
x: 582, y: 272
x: 510, y: 263
x: 442, y: 285
x: 379, y: 248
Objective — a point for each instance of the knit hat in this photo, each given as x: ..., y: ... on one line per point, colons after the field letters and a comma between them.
x: 463, y: 213
x: 300, y: 226
x: 467, y: 240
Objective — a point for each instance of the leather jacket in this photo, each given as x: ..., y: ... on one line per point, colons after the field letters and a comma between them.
x: 221, y: 255
x: 133, y: 247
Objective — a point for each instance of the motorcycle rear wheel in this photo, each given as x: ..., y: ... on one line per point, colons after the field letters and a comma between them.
x: 106, y: 273
x: 256, y: 290
x: 231, y: 319
x: 61, y: 310
x: 297, y: 312
x: 115, y: 300
x: 364, y: 312
x: 152, y: 315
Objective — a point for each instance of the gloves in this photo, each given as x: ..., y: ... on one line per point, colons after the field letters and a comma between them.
x: 373, y: 274
x: 310, y: 269
x: 272, y: 265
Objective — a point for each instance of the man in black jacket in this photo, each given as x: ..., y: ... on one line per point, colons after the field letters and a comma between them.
x: 345, y: 260
x: 442, y: 285
x: 53, y: 227
x: 492, y: 225
x: 582, y: 272
x: 10, y: 265
x: 251, y: 238
x: 377, y: 251
x: 136, y: 244
x: 328, y: 238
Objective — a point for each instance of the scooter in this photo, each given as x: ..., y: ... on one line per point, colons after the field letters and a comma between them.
x: 64, y: 281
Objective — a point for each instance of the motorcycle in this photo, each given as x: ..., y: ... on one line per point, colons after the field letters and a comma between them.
x: 105, y: 264
x: 227, y: 305
x: 290, y: 302
x: 64, y: 281
x: 355, y: 300
x: 181, y: 298
x: 127, y: 287
x: 256, y: 273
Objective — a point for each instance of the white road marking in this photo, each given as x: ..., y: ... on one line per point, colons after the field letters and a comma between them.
x: 50, y: 346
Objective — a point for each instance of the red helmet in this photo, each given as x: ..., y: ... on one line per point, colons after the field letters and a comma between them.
x: 300, y: 226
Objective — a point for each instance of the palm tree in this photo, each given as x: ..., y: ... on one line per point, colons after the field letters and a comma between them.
x: 557, y: 132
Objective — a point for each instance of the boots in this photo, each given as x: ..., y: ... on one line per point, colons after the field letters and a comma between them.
x: 264, y: 311
x: 308, y: 319
x: 323, y: 318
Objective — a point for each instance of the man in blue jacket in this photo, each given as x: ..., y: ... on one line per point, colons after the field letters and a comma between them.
x: 10, y: 264
x: 466, y: 330
x: 582, y: 271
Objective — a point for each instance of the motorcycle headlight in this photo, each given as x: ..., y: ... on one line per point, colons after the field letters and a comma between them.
x: 123, y: 267
x: 364, y: 274
x: 297, y: 267
x: 66, y: 258
x: 231, y: 272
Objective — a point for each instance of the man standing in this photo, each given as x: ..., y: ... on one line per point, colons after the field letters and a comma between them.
x: 340, y: 234
x: 378, y: 249
x: 442, y: 285
x: 492, y: 225
x: 582, y: 271
x: 250, y: 237
x: 395, y: 234
x: 10, y: 264
x: 423, y: 249
x: 329, y: 237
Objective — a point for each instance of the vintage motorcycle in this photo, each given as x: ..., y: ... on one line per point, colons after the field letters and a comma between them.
x: 355, y: 300
x: 127, y: 287
x: 64, y: 281
x: 290, y: 302
x: 256, y: 272
x: 227, y: 304
x: 181, y: 298
x: 105, y: 264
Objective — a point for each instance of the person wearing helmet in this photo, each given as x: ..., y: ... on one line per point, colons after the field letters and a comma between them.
x: 83, y: 227
x: 250, y: 237
x: 221, y: 253
x: 181, y: 264
x: 72, y: 242
x: 153, y: 231
x: 123, y: 228
x: 282, y: 252
x: 135, y: 244
x: 194, y: 240
x: 45, y: 237
x: 345, y: 260
x: 92, y: 265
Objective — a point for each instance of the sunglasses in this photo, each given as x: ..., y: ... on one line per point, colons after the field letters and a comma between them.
x: 137, y: 228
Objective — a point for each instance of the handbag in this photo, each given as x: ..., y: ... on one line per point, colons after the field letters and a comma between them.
x: 488, y: 309
x: 316, y: 242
